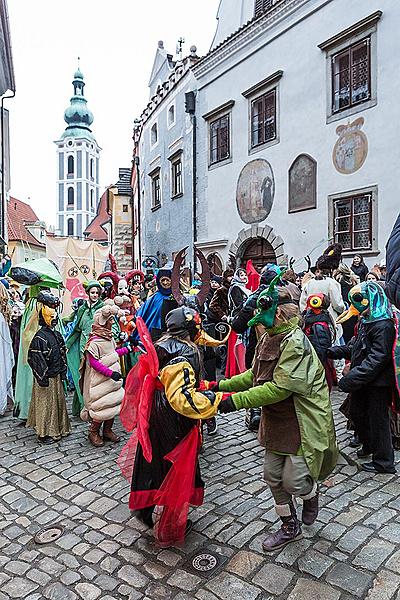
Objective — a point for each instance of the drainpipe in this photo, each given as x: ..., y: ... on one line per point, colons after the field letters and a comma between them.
x: 3, y: 223
x: 190, y: 108
x: 138, y: 225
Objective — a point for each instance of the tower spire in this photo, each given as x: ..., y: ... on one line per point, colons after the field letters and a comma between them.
x: 78, y: 116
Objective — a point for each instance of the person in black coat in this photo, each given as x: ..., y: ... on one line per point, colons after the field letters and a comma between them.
x: 393, y: 265
x: 359, y: 267
x: 371, y: 379
x: 320, y: 329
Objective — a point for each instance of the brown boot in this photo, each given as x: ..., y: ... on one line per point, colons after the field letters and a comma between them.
x: 290, y: 530
x: 94, y: 436
x: 108, y: 433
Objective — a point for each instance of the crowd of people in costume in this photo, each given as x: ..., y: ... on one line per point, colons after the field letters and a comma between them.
x: 167, y: 354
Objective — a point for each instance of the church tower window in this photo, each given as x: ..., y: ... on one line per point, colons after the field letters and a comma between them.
x: 70, y: 227
x: 70, y: 165
x: 91, y: 168
x: 70, y: 197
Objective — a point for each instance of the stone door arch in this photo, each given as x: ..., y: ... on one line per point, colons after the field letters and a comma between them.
x: 274, y: 243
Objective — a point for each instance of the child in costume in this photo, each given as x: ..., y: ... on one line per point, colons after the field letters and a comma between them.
x: 47, y: 359
x: 320, y: 330
x: 164, y: 409
x: 371, y: 380
x: 100, y: 376
x: 297, y: 428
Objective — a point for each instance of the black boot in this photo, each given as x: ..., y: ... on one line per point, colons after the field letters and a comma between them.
x: 290, y: 531
x: 253, y: 418
x: 146, y: 516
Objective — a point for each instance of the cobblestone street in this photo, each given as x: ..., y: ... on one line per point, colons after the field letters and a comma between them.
x: 352, y: 551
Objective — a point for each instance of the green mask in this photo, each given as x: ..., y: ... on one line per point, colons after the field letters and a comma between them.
x: 267, y: 304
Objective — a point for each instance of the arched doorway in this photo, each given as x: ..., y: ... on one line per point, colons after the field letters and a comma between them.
x: 260, y: 252
x: 215, y: 263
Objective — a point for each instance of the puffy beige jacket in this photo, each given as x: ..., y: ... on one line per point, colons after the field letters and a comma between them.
x: 102, y: 395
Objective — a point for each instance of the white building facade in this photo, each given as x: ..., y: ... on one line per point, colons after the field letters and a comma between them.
x: 298, y: 128
x: 78, y: 160
x: 165, y: 149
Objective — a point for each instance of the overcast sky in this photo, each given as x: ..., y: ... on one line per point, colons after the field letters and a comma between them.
x: 116, y: 41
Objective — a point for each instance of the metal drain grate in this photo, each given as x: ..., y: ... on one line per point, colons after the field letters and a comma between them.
x: 49, y: 534
x: 205, y: 563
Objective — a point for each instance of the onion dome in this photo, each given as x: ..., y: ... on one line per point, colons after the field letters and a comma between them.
x: 78, y: 116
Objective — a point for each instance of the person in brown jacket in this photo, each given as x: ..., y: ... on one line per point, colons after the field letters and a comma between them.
x: 219, y: 305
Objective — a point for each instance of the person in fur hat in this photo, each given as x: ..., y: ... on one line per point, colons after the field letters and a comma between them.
x: 101, y: 378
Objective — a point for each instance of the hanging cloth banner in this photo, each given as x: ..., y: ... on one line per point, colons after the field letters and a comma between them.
x: 78, y: 261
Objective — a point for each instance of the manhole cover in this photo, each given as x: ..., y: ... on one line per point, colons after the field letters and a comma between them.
x: 49, y: 534
x: 205, y: 563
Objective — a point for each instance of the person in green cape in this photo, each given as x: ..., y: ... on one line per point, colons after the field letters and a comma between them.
x: 79, y: 336
x: 38, y: 274
x: 297, y: 430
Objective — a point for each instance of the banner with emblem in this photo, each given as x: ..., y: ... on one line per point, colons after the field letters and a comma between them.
x: 78, y: 261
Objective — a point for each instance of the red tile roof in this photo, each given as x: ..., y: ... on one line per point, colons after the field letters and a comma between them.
x: 20, y: 214
x: 95, y: 230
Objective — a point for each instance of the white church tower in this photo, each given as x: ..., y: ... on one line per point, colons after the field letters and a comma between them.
x: 78, y: 154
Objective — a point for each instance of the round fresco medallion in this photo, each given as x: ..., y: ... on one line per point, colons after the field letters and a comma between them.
x: 255, y: 191
x: 351, y: 149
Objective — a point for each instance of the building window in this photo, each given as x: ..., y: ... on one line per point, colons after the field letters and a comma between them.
x: 351, y: 76
x: 91, y: 168
x: 263, y: 119
x: 176, y: 177
x: 262, y: 5
x: 219, y: 139
x: 352, y: 225
x: 70, y: 197
x: 91, y: 200
x: 128, y: 249
x: 70, y: 169
x: 171, y: 115
x: 70, y: 227
x: 154, y: 134
x: 125, y: 208
x: 155, y: 189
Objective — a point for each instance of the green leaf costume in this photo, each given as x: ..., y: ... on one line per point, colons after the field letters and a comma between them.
x: 76, y: 345
x: 299, y: 374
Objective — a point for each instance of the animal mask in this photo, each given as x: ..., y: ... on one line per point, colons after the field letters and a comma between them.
x: 267, y: 304
x: 368, y: 300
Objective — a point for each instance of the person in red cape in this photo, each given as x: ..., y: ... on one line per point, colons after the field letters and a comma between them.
x: 163, y: 406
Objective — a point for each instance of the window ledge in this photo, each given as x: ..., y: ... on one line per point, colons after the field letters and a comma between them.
x: 154, y: 208
x: 218, y: 110
x: 355, y: 29
x: 220, y: 163
x: 177, y: 196
x: 353, y: 110
x: 269, y: 81
x: 351, y: 253
x: 256, y: 149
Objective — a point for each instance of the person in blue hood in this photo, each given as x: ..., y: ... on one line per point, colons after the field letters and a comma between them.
x: 155, y: 308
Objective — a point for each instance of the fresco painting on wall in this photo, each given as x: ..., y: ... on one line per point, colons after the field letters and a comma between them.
x: 303, y: 184
x: 255, y: 191
x: 351, y: 149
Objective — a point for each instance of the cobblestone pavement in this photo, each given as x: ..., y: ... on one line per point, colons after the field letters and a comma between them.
x: 352, y: 551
